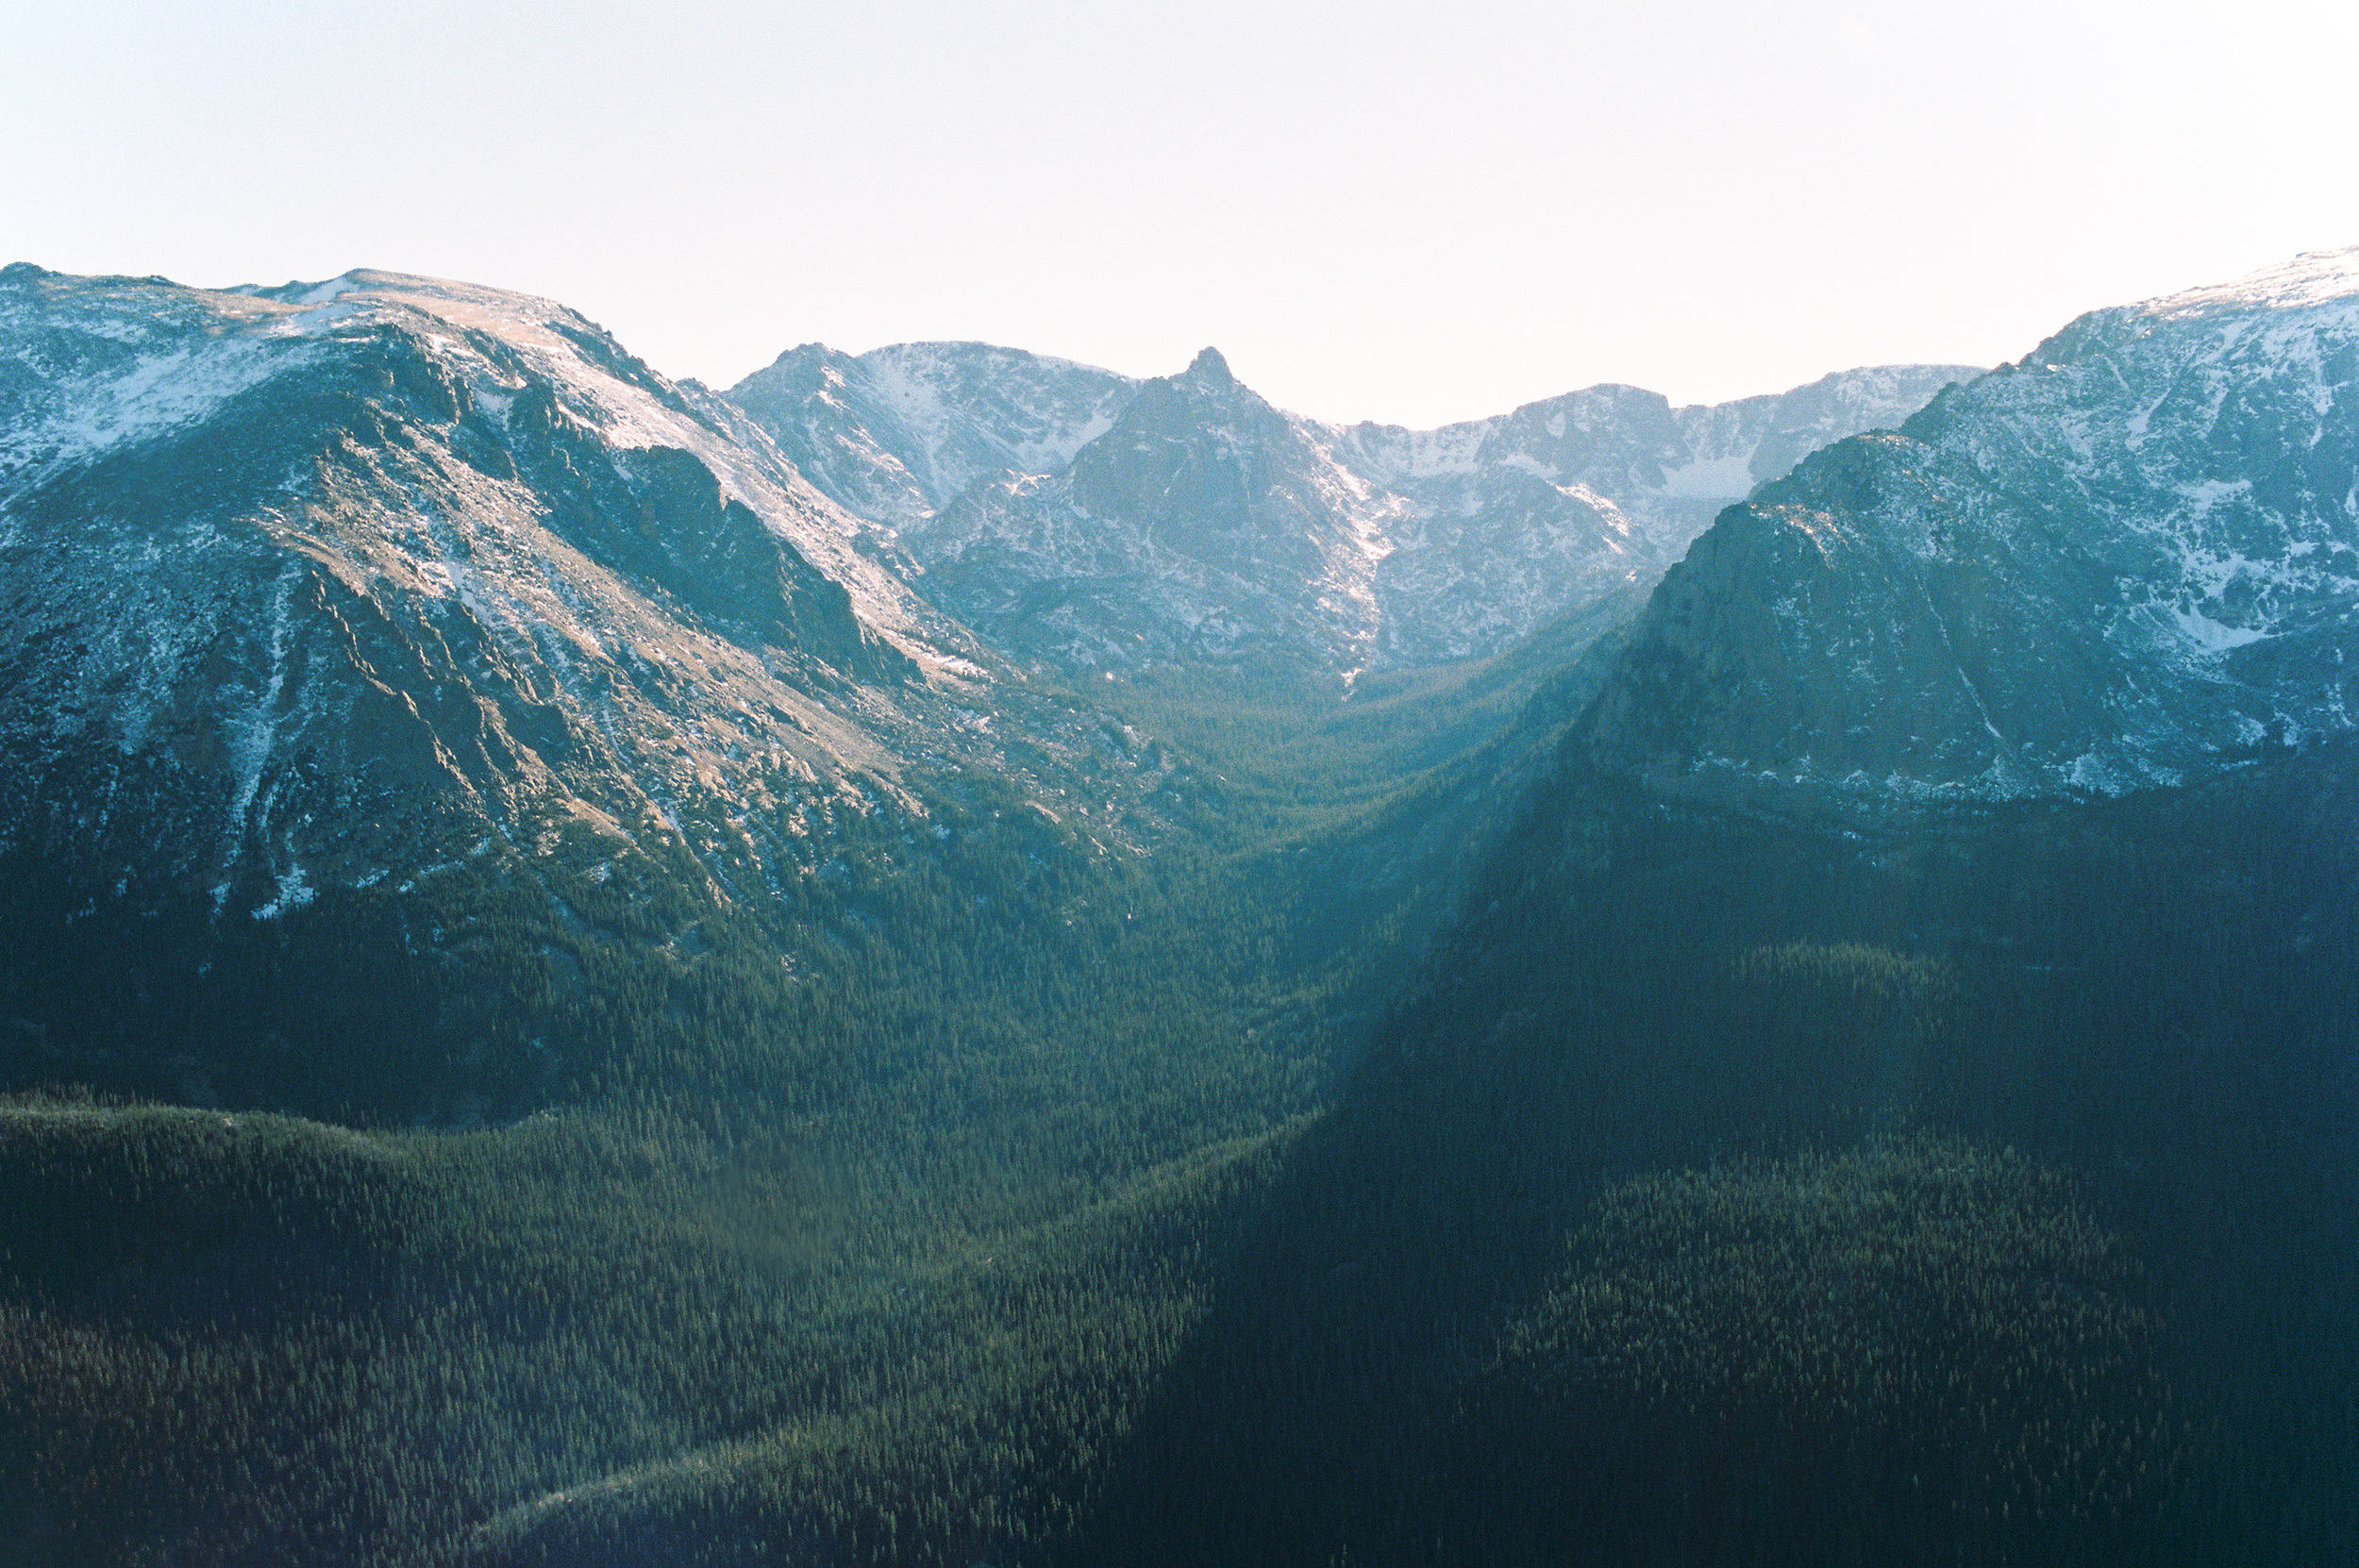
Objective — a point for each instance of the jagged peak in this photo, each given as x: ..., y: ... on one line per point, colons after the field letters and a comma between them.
x: 805, y: 364
x: 1211, y: 369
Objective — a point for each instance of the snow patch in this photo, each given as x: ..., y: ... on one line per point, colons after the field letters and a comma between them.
x: 160, y: 392
x: 1711, y: 479
x: 2210, y: 636
x: 293, y: 893
x: 2312, y: 279
x: 320, y: 294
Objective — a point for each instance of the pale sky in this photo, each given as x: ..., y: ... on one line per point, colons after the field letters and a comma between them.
x: 1415, y: 213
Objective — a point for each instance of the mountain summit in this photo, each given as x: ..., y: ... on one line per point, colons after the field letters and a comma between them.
x: 2130, y: 557
x: 1211, y: 369
x: 319, y: 601
x: 897, y: 434
x: 1080, y: 517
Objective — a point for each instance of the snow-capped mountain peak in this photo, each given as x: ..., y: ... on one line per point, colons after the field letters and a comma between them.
x: 331, y: 575
x: 898, y: 433
x: 1185, y: 517
x: 2130, y: 557
x: 2318, y: 277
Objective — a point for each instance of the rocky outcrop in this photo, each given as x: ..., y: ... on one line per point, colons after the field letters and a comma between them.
x: 1088, y: 519
x: 313, y: 587
x: 2127, y: 558
x: 896, y: 434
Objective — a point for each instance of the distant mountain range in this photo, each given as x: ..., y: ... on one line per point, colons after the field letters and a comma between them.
x: 305, y: 568
x: 320, y: 585
x: 1036, y: 966
x: 1095, y: 521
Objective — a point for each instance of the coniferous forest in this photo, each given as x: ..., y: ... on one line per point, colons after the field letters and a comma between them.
x: 1829, y: 1050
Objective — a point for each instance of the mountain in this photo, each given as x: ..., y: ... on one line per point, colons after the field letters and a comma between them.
x: 1097, y: 522
x: 562, y: 1005
x: 321, y: 597
x: 1661, y: 464
x: 1957, y: 852
x: 1503, y: 523
x: 2127, y: 560
x: 1733, y: 446
x: 898, y: 433
x: 520, y: 920
x: 1205, y: 523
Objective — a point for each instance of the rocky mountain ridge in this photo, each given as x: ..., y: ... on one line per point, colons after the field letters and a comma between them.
x: 898, y: 433
x: 2129, y: 558
x: 1096, y: 521
x: 317, y: 586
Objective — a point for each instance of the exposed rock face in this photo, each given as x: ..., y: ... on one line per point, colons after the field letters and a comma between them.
x: 406, y: 697
x: 897, y: 434
x: 2131, y: 556
x: 1508, y: 522
x: 1094, y: 521
x: 307, y: 586
x: 1204, y: 525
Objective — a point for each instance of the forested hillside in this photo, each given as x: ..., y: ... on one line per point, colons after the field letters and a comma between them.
x: 2136, y: 1013
x: 569, y: 1000
x: 1937, y: 930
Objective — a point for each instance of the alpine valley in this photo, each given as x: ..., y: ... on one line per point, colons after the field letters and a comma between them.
x: 954, y: 957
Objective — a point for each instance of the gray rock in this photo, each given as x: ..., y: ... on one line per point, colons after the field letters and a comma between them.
x: 2129, y: 558
x: 1092, y: 521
